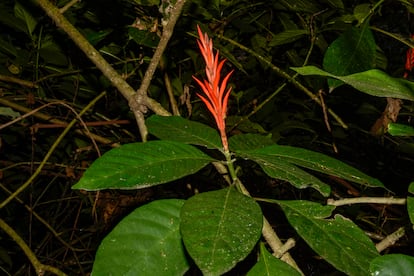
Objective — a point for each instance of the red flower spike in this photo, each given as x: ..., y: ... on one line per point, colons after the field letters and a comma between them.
x: 214, y: 89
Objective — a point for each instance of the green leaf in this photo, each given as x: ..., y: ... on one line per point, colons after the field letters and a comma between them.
x: 51, y: 52
x: 352, y: 52
x: 361, y: 11
x: 7, y: 111
x: 22, y: 13
x: 94, y: 37
x: 277, y: 154
x: 392, y: 265
x: 178, y: 129
x: 280, y: 169
x: 8, y: 18
x: 337, y: 4
x: 400, y: 130
x: 270, y: 265
x: 220, y: 228
x: 249, y: 141
x: 140, y: 165
x: 244, y: 125
x: 300, y: 5
x: 7, y: 47
x: 411, y: 188
x: 146, y: 242
x: 339, y: 241
x: 373, y: 82
x: 144, y: 37
x: 287, y: 36
x: 410, y: 208
x: 147, y: 2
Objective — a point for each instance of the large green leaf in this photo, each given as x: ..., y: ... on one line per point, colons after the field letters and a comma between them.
x: 178, y: 129
x: 373, y: 82
x: 275, y: 154
x: 392, y: 265
x: 146, y: 242
x: 220, y: 228
x: 280, y: 169
x: 353, y: 51
x: 269, y: 265
x: 249, y: 141
x: 338, y: 240
x: 139, y: 165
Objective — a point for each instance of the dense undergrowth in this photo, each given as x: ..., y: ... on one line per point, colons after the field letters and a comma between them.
x: 59, y: 113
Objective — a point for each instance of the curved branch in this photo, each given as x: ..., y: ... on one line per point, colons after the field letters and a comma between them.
x: 38, y: 266
x: 108, y: 71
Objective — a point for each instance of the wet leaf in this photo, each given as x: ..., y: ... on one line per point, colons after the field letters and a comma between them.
x: 146, y: 242
x: 373, y: 82
x: 140, y: 165
x: 179, y: 129
x: 220, y: 228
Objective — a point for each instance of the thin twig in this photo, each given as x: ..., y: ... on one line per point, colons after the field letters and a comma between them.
x: 68, y: 6
x: 38, y: 266
x: 26, y: 83
x: 360, y: 200
x: 141, y: 95
x: 43, y: 221
x: 107, y: 70
x: 170, y: 91
x: 50, y: 152
x: 390, y: 239
x: 35, y: 112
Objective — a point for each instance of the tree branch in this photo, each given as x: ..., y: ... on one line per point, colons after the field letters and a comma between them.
x: 108, y: 71
x: 149, y: 73
x: 390, y: 239
x: 359, y: 200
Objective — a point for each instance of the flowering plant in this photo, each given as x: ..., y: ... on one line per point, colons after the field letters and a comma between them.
x: 214, y: 88
x: 218, y: 229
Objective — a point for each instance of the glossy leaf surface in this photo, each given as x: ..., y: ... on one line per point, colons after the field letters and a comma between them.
x: 373, y: 82
x: 179, y: 129
x: 338, y: 240
x: 276, y: 155
x: 220, y: 228
x: 400, y: 130
x: 249, y: 141
x: 392, y: 265
x: 146, y: 242
x: 139, y: 165
x: 281, y: 169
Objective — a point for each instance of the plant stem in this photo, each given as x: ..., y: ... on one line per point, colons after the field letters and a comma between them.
x: 390, y: 239
x: 267, y: 231
x: 359, y: 200
x: 141, y: 95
